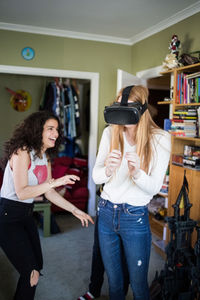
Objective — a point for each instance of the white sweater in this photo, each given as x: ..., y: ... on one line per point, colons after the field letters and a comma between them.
x: 121, y: 188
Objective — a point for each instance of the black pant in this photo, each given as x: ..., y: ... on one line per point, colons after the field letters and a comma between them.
x: 20, y: 241
x: 97, y: 270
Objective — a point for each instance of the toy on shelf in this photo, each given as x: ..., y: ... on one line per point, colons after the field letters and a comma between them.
x: 170, y: 62
x: 175, y: 45
x: 171, y: 59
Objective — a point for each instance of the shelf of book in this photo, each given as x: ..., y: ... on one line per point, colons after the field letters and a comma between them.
x: 184, y: 103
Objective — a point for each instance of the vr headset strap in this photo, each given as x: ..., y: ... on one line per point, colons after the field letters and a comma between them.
x: 124, y: 101
x: 144, y: 107
x: 125, y: 95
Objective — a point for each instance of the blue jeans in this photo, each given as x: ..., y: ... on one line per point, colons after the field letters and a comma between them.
x: 123, y: 225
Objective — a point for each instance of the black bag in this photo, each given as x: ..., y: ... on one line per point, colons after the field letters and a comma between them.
x: 187, y: 59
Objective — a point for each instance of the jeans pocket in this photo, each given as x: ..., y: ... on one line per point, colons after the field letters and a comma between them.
x: 101, y: 203
x: 136, y: 211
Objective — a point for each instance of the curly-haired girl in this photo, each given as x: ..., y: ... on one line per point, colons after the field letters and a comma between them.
x: 27, y: 175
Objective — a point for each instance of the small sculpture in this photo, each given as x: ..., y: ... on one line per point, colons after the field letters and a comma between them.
x: 175, y: 45
x: 170, y: 62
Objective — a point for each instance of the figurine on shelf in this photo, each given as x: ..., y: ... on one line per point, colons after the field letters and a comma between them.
x: 170, y: 62
x: 175, y: 45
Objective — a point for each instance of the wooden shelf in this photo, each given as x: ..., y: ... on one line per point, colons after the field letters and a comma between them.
x: 177, y: 172
x: 167, y: 72
x: 160, y: 222
x: 180, y: 69
x: 193, y: 67
x: 187, y: 138
x: 163, y: 195
x: 165, y: 102
x: 186, y: 104
x: 185, y: 167
x: 156, y: 226
x: 159, y: 246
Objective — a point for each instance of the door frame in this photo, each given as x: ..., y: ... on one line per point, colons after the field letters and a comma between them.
x: 124, y: 79
x: 150, y: 73
x: 94, y: 101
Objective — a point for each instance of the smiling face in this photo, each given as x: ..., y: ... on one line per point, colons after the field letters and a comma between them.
x: 50, y: 134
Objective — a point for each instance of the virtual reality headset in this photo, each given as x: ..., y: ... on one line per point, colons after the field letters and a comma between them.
x: 124, y: 112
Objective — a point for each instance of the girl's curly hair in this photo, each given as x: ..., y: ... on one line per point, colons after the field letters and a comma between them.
x: 28, y: 136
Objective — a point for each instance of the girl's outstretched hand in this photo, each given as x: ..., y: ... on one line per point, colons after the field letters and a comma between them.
x: 67, y: 179
x: 82, y: 216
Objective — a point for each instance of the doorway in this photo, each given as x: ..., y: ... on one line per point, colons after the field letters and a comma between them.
x: 159, y: 89
x: 93, y: 116
x: 158, y: 86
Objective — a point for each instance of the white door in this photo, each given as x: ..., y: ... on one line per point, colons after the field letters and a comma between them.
x: 126, y: 79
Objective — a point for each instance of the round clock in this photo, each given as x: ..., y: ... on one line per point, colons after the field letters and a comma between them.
x: 28, y: 53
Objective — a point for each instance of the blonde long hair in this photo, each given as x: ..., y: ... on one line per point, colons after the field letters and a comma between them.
x: 144, y: 131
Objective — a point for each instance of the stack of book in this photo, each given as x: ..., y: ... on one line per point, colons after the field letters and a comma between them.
x: 198, y: 121
x: 191, y: 157
x: 184, y: 122
x: 165, y: 185
x: 177, y: 159
x: 188, y: 88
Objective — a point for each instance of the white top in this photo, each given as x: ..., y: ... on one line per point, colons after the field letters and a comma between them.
x: 37, y: 173
x: 121, y: 188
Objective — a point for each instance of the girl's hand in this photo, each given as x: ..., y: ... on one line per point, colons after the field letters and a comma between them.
x: 113, y: 161
x: 81, y: 215
x: 67, y: 179
x: 133, y: 163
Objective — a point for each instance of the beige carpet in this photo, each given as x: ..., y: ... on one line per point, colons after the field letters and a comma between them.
x: 67, y: 262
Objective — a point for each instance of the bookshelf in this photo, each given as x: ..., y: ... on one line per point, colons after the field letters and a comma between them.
x: 159, y: 226
x: 184, y: 100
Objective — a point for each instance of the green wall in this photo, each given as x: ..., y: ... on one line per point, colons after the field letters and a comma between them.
x: 67, y: 54
x: 81, y: 55
x: 9, y: 117
x: 151, y: 51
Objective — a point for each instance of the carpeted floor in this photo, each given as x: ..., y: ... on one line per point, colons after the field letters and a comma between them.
x: 67, y: 262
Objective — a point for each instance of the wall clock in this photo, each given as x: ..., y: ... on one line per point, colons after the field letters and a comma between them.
x: 28, y: 53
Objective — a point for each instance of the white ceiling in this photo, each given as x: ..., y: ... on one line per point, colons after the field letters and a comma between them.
x: 118, y: 21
